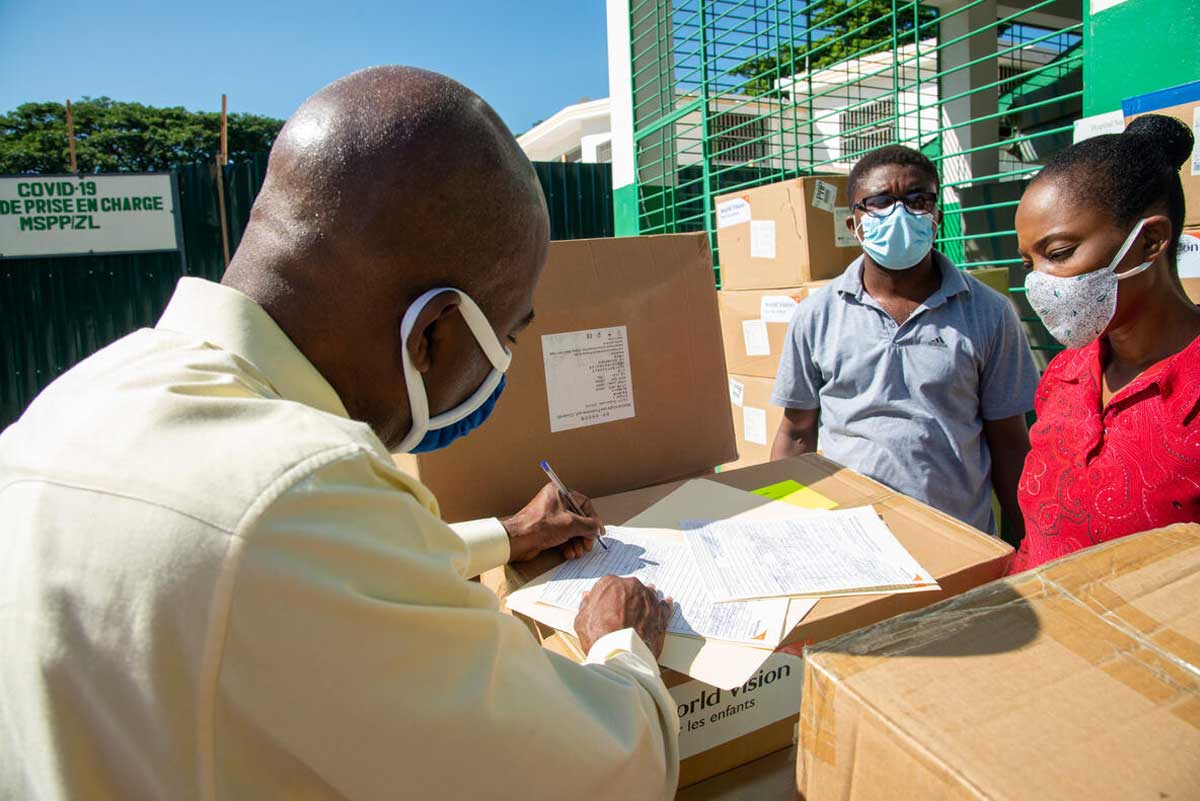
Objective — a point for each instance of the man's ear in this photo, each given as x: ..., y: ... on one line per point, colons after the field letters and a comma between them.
x: 850, y: 223
x: 424, y: 335
x: 1155, y: 237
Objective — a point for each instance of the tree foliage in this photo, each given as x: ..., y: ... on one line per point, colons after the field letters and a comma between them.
x: 112, y: 136
x: 840, y: 30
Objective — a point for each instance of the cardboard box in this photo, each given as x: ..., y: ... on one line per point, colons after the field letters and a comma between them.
x: 754, y: 326
x: 622, y: 418
x: 1188, y: 261
x: 1077, y: 680
x: 784, y: 234
x: 994, y: 277
x: 734, y: 734
x: 755, y: 419
x: 1183, y: 103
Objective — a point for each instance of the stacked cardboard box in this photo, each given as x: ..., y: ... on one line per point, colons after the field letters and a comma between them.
x: 722, y: 730
x: 778, y: 244
x: 1077, y: 680
x: 619, y: 382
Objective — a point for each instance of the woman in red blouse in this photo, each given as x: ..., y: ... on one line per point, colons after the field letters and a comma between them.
x: 1116, y: 446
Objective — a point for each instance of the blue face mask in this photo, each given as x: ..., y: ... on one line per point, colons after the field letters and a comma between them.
x: 430, y: 434
x: 437, y: 438
x: 898, y: 241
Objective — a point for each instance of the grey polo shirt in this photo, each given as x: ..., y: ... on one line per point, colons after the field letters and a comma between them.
x: 905, y: 404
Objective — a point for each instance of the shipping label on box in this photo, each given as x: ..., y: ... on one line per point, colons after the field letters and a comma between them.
x: 843, y: 237
x: 737, y: 391
x: 587, y: 377
x: 762, y: 239
x: 777, y: 308
x: 824, y: 195
x: 733, y: 212
x: 710, y: 716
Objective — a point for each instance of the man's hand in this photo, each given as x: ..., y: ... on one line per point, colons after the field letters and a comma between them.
x: 623, y: 603
x: 547, y: 523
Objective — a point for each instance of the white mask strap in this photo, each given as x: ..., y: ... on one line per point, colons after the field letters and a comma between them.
x: 418, y: 402
x: 1129, y: 240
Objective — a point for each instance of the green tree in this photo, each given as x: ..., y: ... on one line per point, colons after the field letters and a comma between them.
x: 111, y: 136
x: 841, y: 30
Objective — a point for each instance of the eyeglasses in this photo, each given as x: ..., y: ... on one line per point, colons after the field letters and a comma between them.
x: 884, y: 205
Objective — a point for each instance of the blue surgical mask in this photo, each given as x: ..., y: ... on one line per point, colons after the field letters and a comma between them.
x: 430, y: 434
x: 898, y: 241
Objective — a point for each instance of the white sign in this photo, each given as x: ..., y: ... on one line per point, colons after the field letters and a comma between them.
x: 754, y: 425
x: 588, y: 380
x: 762, y: 239
x: 1110, y: 122
x: 843, y: 237
x: 777, y: 308
x: 58, y: 216
x: 709, y: 716
x: 1195, y: 144
x: 1188, y: 258
x: 754, y: 334
x: 824, y: 196
x: 737, y: 391
x: 1104, y: 5
x: 733, y: 211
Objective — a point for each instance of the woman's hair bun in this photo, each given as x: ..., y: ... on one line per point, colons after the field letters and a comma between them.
x: 1166, y: 135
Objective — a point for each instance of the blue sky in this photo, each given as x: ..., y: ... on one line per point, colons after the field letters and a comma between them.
x: 527, y: 58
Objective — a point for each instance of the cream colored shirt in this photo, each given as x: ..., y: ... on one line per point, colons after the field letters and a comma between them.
x: 215, y: 585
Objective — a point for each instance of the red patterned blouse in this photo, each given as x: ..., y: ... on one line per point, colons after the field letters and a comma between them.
x: 1098, y: 474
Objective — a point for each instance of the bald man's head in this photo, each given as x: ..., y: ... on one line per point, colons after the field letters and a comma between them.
x: 383, y: 185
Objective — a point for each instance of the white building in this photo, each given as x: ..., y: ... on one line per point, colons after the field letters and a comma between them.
x: 580, y: 132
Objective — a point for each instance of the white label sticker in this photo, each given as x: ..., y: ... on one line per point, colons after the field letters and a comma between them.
x: 1196, y: 145
x: 1103, y: 5
x: 710, y: 716
x: 588, y: 380
x: 824, y: 196
x: 733, y: 211
x: 1189, y: 256
x: 754, y: 333
x: 1106, y: 123
x: 737, y: 391
x: 754, y: 425
x: 777, y: 308
x: 762, y: 239
x: 843, y: 237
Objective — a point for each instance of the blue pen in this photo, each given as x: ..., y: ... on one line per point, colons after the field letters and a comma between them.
x: 566, y: 493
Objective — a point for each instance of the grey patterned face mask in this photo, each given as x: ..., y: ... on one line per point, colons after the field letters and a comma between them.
x: 1078, y: 309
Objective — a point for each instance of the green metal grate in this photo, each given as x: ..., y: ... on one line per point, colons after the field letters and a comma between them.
x: 731, y: 94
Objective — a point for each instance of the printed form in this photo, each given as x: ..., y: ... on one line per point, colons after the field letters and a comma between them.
x: 844, y: 552
x: 667, y: 564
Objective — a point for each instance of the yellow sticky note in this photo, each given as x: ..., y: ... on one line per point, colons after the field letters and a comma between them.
x: 796, y: 494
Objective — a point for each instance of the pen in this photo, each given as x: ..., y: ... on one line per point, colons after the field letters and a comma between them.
x: 566, y: 493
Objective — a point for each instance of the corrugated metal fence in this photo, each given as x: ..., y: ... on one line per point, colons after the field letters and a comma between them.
x: 56, y: 311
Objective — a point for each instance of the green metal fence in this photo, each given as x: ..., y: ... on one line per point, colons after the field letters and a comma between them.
x: 56, y: 311
x: 730, y: 94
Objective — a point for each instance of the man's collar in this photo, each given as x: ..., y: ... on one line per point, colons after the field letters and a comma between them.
x: 224, y: 317
x: 850, y: 282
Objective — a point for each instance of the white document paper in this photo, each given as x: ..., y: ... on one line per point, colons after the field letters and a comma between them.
x: 824, y: 195
x: 588, y: 381
x: 734, y: 211
x: 754, y: 425
x: 1196, y: 145
x: 843, y: 237
x: 720, y: 663
x: 667, y: 563
x: 737, y: 391
x: 843, y: 552
x: 754, y: 334
x: 1110, y: 122
x: 762, y: 239
x: 1187, y: 258
x: 777, y: 308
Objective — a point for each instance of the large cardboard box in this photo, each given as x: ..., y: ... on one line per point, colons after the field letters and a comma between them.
x: 1183, y: 103
x: 754, y: 326
x: 1077, y: 680
x: 784, y: 234
x: 721, y: 731
x: 618, y: 383
x: 755, y: 419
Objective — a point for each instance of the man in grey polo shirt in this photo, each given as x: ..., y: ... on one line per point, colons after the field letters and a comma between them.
x: 904, y: 368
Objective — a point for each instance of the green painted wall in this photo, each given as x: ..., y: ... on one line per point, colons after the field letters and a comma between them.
x: 1136, y: 47
x: 625, y: 210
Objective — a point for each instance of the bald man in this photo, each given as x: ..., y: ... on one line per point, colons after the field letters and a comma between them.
x: 214, y: 584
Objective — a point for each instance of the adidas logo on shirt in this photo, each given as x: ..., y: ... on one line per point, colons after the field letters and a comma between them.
x: 938, y: 342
